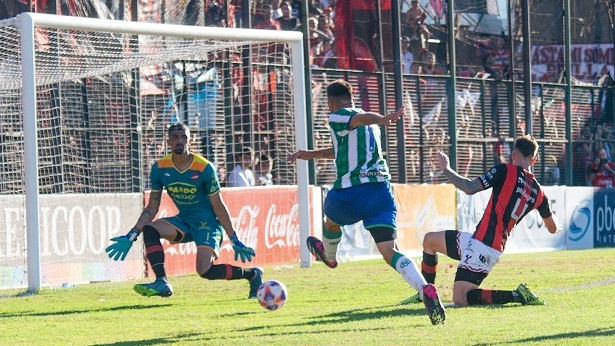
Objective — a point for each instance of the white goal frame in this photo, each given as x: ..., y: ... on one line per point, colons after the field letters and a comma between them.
x: 29, y: 21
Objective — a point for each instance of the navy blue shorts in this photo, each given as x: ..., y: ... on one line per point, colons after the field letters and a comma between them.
x: 372, y: 203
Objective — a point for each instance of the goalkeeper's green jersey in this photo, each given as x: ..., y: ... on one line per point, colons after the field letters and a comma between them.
x: 358, y: 151
x: 189, y: 189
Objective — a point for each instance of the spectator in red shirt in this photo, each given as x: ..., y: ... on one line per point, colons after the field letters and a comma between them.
x: 601, y: 171
x: 263, y: 19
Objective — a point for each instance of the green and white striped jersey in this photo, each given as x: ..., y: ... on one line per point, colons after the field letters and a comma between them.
x: 358, y: 151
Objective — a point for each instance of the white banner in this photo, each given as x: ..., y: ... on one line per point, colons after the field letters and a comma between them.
x: 588, y: 61
x: 74, y: 231
x: 530, y: 235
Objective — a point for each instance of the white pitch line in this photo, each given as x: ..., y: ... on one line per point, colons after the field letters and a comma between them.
x: 574, y: 288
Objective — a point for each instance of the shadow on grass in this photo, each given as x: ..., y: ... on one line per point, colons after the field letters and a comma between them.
x: 72, y: 312
x: 569, y: 337
x: 177, y: 339
x: 265, y: 330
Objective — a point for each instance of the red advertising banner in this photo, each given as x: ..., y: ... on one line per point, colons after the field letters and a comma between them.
x: 265, y: 218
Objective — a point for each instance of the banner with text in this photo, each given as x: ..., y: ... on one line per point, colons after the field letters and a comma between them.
x: 604, y: 225
x: 588, y: 61
x: 74, y: 231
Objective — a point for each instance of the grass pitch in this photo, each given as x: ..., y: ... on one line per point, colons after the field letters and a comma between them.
x: 355, y: 304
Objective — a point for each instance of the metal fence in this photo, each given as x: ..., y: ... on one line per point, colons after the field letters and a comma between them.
x: 488, y: 118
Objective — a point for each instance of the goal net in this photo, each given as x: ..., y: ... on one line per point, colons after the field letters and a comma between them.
x: 84, y: 109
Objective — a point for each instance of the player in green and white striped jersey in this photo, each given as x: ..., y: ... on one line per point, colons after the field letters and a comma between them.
x: 362, y: 190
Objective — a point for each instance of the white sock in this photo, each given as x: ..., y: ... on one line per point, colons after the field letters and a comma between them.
x: 411, y: 273
x: 330, y: 240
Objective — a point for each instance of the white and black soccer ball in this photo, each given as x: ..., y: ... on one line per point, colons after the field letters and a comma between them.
x: 272, y: 294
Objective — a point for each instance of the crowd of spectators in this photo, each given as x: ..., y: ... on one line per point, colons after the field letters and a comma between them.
x: 250, y: 169
x: 492, y: 61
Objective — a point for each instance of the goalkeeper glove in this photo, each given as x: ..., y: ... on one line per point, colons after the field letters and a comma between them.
x: 246, y: 253
x: 119, y: 249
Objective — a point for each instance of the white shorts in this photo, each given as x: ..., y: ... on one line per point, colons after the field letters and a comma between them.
x: 475, y: 255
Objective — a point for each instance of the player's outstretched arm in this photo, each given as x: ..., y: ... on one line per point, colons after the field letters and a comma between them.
x: 371, y: 118
x: 305, y: 154
x: 464, y: 184
x: 552, y: 224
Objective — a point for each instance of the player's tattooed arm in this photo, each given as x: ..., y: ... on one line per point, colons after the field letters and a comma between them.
x: 147, y: 215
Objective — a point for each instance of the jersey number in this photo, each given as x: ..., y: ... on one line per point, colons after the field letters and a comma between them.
x: 519, y: 210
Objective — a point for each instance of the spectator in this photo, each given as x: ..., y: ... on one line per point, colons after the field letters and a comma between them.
x: 323, y: 28
x: 414, y: 20
x: 489, y: 64
x: 263, y: 18
x: 582, y: 156
x: 242, y: 175
x: 263, y: 174
x: 296, y: 8
x: 275, y: 7
x: 314, y: 8
x: 234, y: 13
x: 287, y: 21
x: 326, y: 55
x: 314, y: 37
x: 552, y: 174
x: 604, y: 139
x: 206, y: 98
x: 428, y: 63
x: 215, y: 15
x: 415, y: 67
x: 407, y: 58
x: 602, y: 171
x: 501, y: 56
x: 221, y: 172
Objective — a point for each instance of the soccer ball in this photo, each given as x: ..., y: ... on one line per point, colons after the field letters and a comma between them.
x: 272, y: 294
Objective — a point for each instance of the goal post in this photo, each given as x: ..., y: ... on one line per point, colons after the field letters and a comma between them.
x: 100, y: 54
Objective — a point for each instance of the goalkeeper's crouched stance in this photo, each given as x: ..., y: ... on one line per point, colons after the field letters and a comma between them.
x: 193, y: 186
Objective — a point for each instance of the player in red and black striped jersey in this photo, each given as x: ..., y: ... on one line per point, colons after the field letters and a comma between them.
x: 515, y: 192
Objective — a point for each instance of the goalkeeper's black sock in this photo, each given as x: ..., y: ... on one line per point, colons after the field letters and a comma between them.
x: 489, y: 297
x: 154, y: 251
x: 227, y: 272
x: 429, y: 266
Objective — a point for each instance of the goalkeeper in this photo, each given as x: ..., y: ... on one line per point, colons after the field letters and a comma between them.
x: 193, y: 185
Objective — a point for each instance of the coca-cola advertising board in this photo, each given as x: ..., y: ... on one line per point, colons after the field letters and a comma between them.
x: 265, y: 218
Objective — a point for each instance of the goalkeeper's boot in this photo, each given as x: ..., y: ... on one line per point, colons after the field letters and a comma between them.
x: 255, y: 282
x: 435, y: 309
x: 412, y: 300
x: 528, y: 297
x: 160, y: 287
x: 318, y: 250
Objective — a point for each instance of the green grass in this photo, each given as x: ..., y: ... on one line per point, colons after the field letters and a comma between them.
x: 355, y: 304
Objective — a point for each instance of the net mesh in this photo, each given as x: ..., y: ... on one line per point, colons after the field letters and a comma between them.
x: 104, y: 103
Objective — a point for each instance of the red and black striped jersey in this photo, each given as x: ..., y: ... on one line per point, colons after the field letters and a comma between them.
x: 515, y: 193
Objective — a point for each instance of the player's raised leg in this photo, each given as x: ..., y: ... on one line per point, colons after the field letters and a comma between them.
x: 326, y: 250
